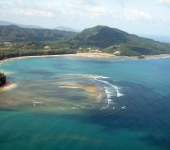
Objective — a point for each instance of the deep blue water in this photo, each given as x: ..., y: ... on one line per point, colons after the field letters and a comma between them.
x: 130, y: 109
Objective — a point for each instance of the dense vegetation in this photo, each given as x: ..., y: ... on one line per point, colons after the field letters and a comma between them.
x: 33, y: 49
x: 16, y: 41
x: 18, y: 34
x: 101, y: 36
x: 2, y: 79
x: 111, y: 40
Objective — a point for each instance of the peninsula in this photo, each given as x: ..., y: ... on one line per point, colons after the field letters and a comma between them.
x: 5, y: 85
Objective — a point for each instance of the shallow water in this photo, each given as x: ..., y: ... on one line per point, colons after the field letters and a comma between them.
x: 127, y: 107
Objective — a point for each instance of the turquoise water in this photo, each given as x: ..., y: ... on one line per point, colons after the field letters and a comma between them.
x: 52, y: 108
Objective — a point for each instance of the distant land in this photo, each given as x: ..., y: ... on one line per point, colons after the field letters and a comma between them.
x: 160, y: 38
x: 17, y: 34
x: 20, y: 25
x: 61, y: 28
x: 66, y: 29
x: 16, y: 41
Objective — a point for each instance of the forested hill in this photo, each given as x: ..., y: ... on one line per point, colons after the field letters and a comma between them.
x: 18, y: 34
x: 101, y: 36
x: 111, y: 40
x: 17, y: 41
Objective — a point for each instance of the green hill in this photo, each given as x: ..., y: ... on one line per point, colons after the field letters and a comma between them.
x: 17, y: 41
x: 111, y: 40
x: 18, y: 34
x: 101, y: 36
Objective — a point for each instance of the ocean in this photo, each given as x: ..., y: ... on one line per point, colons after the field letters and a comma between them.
x: 86, y: 103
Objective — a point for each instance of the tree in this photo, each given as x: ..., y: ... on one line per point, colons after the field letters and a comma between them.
x: 2, y: 78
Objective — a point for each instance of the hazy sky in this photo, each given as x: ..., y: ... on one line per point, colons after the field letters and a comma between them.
x: 133, y: 16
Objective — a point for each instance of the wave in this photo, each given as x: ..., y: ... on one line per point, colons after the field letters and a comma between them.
x: 74, y: 107
x: 103, y: 77
x: 110, y: 101
x: 105, y: 87
x: 104, y: 107
x: 159, y: 57
x: 89, y: 76
x: 115, y: 87
x: 99, y: 98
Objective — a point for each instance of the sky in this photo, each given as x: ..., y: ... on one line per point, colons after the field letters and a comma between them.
x: 132, y: 16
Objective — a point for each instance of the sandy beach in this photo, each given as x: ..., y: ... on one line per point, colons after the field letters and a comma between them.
x: 7, y: 86
x: 93, y: 55
x: 90, y: 55
x: 98, y: 55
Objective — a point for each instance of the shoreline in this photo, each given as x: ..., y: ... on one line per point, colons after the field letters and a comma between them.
x: 88, y: 55
x: 7, y: 86
x: 157, y: 56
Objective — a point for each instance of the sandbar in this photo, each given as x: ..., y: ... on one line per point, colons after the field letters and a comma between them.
x: 7, y: 86
x: 91, y: 89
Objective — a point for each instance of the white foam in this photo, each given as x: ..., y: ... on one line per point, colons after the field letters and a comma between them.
x: 74, y: 108
x: 163, y: 57
x: 119, y: 94
x: 124, y: 107
x: 103, y: 77
x: 104, y: 107
x: 107, y: 91
x: 89, y: 76
x: 110, y: 101
x: 116, y: 88
x: 37, y: 102
x: 99, y: 97
x: 166, y: 57
x: 106, y: 86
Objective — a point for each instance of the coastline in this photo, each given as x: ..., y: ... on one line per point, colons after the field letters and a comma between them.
x: 88, y: 55
x: 92, y: 55
x: 157, y: 56
x: 7, y: 86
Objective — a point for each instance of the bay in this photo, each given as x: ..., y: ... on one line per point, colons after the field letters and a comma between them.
x: 86, y: 103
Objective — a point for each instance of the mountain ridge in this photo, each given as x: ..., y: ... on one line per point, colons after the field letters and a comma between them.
x: 103, y: 38
x: 62, y: 28
x: 112, y: 40
x: 18, y: 34
x: 6, y: 23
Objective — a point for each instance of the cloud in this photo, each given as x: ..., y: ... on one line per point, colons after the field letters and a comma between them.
x: 122, y: 1
x: 87, y: 2
x: 36, y: 13
x: 101, y: 12
x: 164, y: 2
x: 137, y: 15
x: 26, y: 9
x: 164, y: 19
